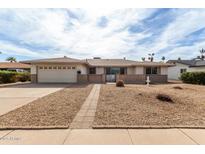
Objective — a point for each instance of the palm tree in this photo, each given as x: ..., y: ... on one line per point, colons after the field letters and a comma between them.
x: 202, y: 51
x: 11, y: 59
x: 143, y: 58
x: 151, y: 56
x: 163, y: 58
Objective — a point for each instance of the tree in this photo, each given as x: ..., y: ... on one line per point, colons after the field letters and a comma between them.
x: 202, y: 51
x: 163, y: 58
x: 11, y: 59
x: 151, y: 56
x: 143, y: 58
x: 179, y: 58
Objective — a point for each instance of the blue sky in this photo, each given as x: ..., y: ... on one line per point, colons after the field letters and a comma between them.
x: 107, y: 33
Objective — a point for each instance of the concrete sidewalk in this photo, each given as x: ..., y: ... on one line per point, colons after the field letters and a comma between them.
x: 104, y: 136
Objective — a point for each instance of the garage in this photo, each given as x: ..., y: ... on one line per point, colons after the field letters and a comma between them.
x: 57, y: 74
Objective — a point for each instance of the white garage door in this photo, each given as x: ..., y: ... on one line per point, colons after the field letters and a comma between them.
x: 57, y: 74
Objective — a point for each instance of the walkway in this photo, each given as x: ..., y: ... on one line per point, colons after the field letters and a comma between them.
x: 86, y: 115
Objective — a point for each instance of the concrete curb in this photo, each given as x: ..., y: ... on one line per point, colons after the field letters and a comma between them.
x: 145, y: 127
x: 13, y: 84
x: 33, y: 127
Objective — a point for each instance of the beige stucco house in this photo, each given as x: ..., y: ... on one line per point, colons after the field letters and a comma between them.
x: 97, y: 70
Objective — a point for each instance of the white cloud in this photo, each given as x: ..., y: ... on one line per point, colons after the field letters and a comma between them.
x: 56, y: 32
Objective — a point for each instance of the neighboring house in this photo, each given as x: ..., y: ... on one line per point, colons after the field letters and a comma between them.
x: 181, y: 66
x: 15, y: 66
x: 69, y: 70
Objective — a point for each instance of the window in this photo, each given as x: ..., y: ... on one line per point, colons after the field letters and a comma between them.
x: 151, y: 70
x: 68, y: 67
x: 182, y: 70
x: 73, y: 68
x: 40, y: 67
x: 54, y: 67
x: 59, y: 67
x: 45, y: 67
x: 50, y: 67
x: 64, y: 67
x: 92, y: 70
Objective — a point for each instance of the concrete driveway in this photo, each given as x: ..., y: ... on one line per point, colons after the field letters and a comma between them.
x: 17, y: 96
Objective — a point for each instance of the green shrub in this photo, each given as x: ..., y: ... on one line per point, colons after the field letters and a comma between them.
x: 10, y: 77
x: 23, y: 77
x: 193, y: 77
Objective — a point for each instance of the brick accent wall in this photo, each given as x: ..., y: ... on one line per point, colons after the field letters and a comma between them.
x: 34, y: 78
x: 131, y: 78
x: 141, y: 79
x: 91, y: 78
x: 158, y: 78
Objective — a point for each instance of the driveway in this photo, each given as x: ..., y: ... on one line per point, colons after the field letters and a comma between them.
x: 17, y: 96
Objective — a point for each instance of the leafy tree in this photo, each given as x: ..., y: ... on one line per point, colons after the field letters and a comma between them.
x: 143, y: 58
x: 11, y: 59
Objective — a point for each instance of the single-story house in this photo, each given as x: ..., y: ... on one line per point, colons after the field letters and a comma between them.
x: 15, y: 66
x: 97, y: 70
x: 194, y: 65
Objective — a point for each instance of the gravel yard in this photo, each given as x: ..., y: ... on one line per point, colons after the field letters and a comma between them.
x: 55, y: 110
x: 137, y: 106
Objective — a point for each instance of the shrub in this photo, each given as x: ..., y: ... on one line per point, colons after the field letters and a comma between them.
x: 120, y: 83
x: 193, y: 77
x: 23, y: 77
x: 10, y: 77
x: 178, y: 87
x: 7, y: 77
x: 164, y: 97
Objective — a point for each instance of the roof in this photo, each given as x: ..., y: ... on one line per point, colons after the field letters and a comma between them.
x: 16, y: 65
x: 98, y: 62
x: 54, y: 60
x: 110, y: 62
x: 190, y: 63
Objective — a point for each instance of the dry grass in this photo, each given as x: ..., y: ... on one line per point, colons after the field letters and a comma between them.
x: 55, y: 110
x: 137, y: 105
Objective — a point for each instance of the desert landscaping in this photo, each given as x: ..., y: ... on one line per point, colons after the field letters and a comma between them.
x: 138, y: 106
x: 55, y: 110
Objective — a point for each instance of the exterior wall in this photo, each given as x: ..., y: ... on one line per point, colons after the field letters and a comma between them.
x: 132, y: 78
x: 196, y: 69
x: 130, y: 70
x: 141, y: 79
x: 82, y: 68
x: 33, y: 69
x: 164, y: 70
x: 100, y: 70
x: 34, y: 74
x: 34, y: 78
x: 139, y: 70
x: 91, y: 78
x: 158, y: 78
x: 82, y: 78
x: 174, y: 71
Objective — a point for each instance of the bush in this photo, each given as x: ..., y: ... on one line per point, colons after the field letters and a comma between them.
x: 23, y: 77
x: 193, y: 77
x: 164, y: 97
x: 120, y: 83
x: 10, y: 77
x: 177, y: 87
